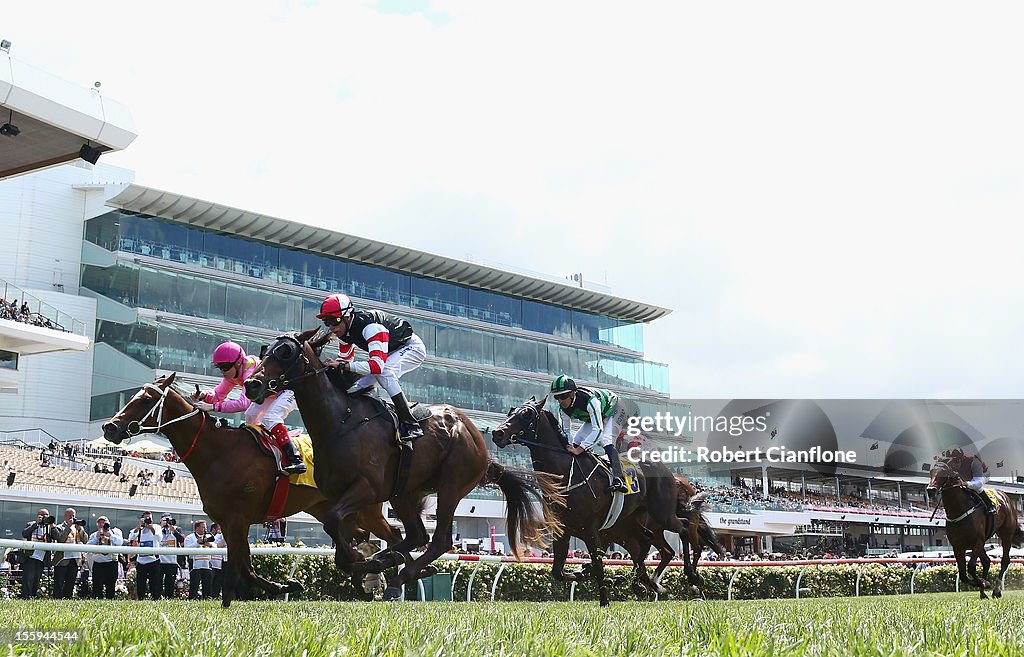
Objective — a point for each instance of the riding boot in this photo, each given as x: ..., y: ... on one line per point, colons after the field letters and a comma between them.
x: 291, y: 460
x: 989, y: 506
x: 408, y: 427
x: 618, y: 485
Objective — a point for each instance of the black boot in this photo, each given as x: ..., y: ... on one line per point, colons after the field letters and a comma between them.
x: 408, y: 427
x: 618, y: 485
x: 293, y: 463
x: 989, y: 506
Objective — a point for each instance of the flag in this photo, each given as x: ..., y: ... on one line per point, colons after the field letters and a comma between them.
x: 874, y: 445
x: 1000, y: 464
x: 775, y: 432
x: 926, y: 467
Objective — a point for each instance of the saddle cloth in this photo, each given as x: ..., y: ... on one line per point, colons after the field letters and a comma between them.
x: 266, y: 444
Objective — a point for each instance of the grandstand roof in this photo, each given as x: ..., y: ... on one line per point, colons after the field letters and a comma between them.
x: 55, y: 118
x: 204, y: 214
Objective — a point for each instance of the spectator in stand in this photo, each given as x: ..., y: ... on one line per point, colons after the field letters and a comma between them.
x: 169, y: 475
x: 104, y: 566
x: 117, y: 465
x: 68, y: 562
x: 42, y: 530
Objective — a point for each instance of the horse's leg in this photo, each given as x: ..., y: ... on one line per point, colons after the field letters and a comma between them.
x: 240, y: 566
x: 593, y: 542
x: 373, y: 521
x: 1004, y: 563
x: 447, y: 499
x: 638, y: 550
x: 340, y: 524
x: 559, y: 551
x: 408, y: 510
x: 986, y: 563
x: 694, y: 534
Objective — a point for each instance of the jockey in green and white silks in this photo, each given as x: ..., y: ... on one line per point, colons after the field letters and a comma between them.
x: 603, y: 418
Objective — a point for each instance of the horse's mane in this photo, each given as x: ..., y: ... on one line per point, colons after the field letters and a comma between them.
x: 555, y: 426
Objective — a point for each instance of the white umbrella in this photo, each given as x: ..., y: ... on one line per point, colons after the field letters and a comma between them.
x: 144, y: 447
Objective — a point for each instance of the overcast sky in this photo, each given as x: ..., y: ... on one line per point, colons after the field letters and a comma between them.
x: 828, y: 196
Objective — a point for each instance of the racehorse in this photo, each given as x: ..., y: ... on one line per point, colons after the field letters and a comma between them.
x: 644, y: 517
x: 235, y: 478
x: 969, y: 525
x: 357, y: 456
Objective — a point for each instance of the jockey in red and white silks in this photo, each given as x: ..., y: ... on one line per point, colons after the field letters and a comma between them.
x: 393, y: 348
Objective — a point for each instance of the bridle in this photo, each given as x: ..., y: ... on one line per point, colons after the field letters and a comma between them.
x: 135, y: 427
x: 288, y: 363
x: 530, y: 429
x: 957, y: 481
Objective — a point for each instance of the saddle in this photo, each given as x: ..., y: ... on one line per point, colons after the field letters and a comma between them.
x: 630, y: 474
x: 266, y: 444
x: 419, y: 412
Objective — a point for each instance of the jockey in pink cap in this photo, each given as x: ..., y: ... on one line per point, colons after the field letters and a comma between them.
x: 236, y: 367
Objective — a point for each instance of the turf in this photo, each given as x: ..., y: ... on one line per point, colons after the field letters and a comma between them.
x: 920, y: 625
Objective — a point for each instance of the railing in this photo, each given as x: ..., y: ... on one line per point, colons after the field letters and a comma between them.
x: 15, y: 300
x: 737, y: 566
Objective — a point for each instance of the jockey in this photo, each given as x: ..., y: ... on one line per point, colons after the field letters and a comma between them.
x: 979, y: 473
x: 603, y: 417
x: 236, y: 367
x: 393, y: 349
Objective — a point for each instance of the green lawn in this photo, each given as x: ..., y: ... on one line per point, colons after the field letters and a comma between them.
x: 922, y: 625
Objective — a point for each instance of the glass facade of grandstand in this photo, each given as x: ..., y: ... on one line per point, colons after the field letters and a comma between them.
x: 488, y: 351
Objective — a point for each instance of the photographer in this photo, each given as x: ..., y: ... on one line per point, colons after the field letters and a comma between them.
x: 146, y: 534
x: 66, y: 564
x: 104, y: 566
x: 202, y: 571
x: 42, y: 530
x: 170, y: 536
x: 217, y: 561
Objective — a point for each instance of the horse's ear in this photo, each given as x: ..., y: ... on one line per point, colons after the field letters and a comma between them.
x: 307, y: 334
x: 543, y: 401
x: 168, y: 380
x: 263, y: 351
x: 533, y: 398
x: 511, y: 410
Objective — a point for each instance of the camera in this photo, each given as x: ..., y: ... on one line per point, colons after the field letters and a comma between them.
x: 79, y: 522
x: 170, y: 522
x: 47, y: 520
x: 106, y: 526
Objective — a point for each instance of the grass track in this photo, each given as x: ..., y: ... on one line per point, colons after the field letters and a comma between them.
x: 919, y: 626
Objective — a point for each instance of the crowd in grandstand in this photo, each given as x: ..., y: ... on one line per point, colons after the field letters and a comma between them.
x: 14, y: 312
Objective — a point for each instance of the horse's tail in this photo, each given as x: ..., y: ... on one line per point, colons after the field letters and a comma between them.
x: 694, y: 513
x: 1018, y: 537
x: 521, y: 489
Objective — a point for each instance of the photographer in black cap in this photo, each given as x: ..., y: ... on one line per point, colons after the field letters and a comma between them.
x: 202, y: 568
x: 43, y: 530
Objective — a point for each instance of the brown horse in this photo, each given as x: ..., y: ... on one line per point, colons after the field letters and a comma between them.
x: 969, y: 525
x: 235, y: 478
x: 644, y: 517
x: 357, y: 457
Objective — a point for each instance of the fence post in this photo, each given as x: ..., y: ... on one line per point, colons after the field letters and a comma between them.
x: 572, y: 591
x: 291, y: 573
x: 455, y: 577
x: 728, y: 593
x: 497, y: 576
x: 799, y: 577
x: 856, y: 587
x: 472, y: 576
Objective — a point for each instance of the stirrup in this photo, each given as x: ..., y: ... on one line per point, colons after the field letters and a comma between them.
x: 295, y: 468
x: 618, y: 486
x: 409, y: 431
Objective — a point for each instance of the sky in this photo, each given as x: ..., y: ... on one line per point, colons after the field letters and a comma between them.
x: 827, y: 195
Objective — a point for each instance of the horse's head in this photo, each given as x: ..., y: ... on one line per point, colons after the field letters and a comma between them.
x: 286, y: 359
x: 522, y: 423
x: 944, y: 474
x: 142, y: 412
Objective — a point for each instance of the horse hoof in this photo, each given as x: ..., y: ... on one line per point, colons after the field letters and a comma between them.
x: 392, y: 593
x: 428, y: 571
x: 604, y: 596
x: 291, y: 586
x: 997, y: 594
x: 224, y: 604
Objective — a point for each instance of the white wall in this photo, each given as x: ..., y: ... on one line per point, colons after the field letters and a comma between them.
x: 43, y: 215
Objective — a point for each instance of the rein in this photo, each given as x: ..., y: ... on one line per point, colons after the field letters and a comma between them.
x: 282, y: 382
x: 531, y: 430
x: 958, y: 483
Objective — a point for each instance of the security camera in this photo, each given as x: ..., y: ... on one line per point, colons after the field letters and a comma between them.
x: 9, y: 130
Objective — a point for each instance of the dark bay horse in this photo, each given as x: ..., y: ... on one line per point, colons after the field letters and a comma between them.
x: 969, y: 525
x: 235, y: 479
x: 357, y: 457
x: 644, y: 517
